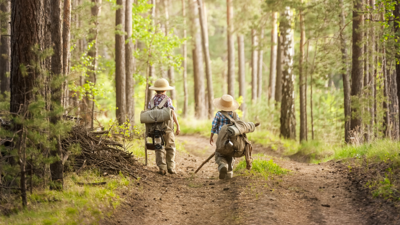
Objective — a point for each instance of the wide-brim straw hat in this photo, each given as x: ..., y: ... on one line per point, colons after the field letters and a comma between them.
x: 226, y: 103
x: 161, y: 85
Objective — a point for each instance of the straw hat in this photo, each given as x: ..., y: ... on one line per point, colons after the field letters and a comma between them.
x: 226, y: 103
x: 161, y: 85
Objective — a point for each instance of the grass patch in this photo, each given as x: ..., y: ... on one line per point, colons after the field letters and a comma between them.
x: 261, y: 167
x: 194, y: 126
x: 75, y: 205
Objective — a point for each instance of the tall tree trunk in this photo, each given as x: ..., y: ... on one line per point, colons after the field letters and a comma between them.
x: 231, y: 48
x: 151, y: 69
x: 260, y: 64
x: 129, y: 61
x: 254, y: 66
x: 366, y: 108
x: 397, y: 34
x: 278, y: 83
x: 302, y: 82
x: 372, y: 69
x: 120, y: 72
x: 92, y: 76
x: 345, y: 75
x: 207, y: 59
x: 184, y: 63
x: 242, y: 73
x: 171, y: 72
x: 66, y: 46
x: 288, y: 119
x: 272, y: 65
x: 56, y: 167
x: 5, y: 52
x: 357, y: 63
x: 198, y: 64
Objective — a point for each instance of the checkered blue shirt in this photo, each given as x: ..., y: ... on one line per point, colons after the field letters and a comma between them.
x: 158, y: 99
x: 219, y: 121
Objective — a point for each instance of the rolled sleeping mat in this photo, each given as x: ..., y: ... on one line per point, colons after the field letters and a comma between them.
x: 233, y: 131
x: 241, y: 128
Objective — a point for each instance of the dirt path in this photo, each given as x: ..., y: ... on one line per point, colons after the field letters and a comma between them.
x: 310, y: 194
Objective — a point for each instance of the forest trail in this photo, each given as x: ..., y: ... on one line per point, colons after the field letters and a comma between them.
x: 310, y: 194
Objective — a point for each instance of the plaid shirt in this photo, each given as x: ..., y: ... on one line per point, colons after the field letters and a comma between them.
x: 158, y: 99
x: 219, y: 121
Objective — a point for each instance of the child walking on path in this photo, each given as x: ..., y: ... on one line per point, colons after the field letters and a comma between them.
x: 165, y: 158
x: 229, y: 105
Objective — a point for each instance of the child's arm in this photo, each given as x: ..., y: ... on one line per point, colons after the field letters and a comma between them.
x: 211, y: 139
x: 178, y: 129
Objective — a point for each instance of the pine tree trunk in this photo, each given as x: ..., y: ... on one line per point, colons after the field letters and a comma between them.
x: 231, y: 48
x: 171, y: 72
x: 345, y: 76
x: 207, y: 59
x: 5, y: 49
x: 357, y: 63
x: 151, y: 69
x: 56, y: 167
x: 184, y: 63
x: 129, y: 61
x: 396, y: 31
x: 242, y: 73
x: 272, y: 65
x: 199, y: 92
x: 120, y: 73
x: 260, y: 64
x: 66, y: 46
x: 92, y: 76
x: 254, y: 66
x: 302, y: 83
x: 372, y: 70
x: 278, y: 83
x: 288, y: 119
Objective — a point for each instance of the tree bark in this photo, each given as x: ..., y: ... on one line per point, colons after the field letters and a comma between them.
x: 198, y: 64
x: 278, y: 83
x: 151, y: 69
x: 120, y: 72
x: 345, y: 76
x: 171, y: 72
x: 129, y: 61
x: 242, y: 73
x: 56, y: 167
x: 92, y: 76
x: 254, y: 66
x: 5, y: 49
x: 357, y: 63
x: 273, y: 59
x: 184, y: 63
x: 396, y: 31
x: 372, y: 70
x: 66, y: 46
x: 302, y: 83
x: 288, y: 119
x: 260, y: 64
x: 207, y: 59
x: 231, y: 48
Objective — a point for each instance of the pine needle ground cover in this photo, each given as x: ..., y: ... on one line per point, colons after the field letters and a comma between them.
x: 77, y: 204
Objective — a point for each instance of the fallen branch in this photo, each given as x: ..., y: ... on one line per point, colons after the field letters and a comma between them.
x: 92, y: 184
x: 208, y: 159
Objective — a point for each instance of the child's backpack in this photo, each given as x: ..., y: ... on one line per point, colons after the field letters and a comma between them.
x: 156, y: 114
x: 230, y: 145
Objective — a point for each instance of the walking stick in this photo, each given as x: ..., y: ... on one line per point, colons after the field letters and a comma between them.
x: 208, y: 159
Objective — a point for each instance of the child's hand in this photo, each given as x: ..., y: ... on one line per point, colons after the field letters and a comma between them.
x: 178, y: 130
x: 211, y: 141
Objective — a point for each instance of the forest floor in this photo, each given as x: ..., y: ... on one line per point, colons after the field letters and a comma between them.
x: 326, y: 193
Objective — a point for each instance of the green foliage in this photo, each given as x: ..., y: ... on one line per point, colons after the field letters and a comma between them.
x: 77, y: 204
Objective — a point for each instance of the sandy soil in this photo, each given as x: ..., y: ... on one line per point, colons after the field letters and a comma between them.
x: 310, y: 194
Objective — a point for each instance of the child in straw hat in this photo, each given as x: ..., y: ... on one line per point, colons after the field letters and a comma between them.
x: 228, y: 104
x: 165, y: 159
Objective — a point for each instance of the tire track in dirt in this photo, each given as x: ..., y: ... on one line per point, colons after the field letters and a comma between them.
x: 310, y: 194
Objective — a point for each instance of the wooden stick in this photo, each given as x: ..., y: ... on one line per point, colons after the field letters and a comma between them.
x: 208, y: 159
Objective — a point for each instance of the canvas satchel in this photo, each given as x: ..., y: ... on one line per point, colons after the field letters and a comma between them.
x: 158, y: 114
x: 233, y: 146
